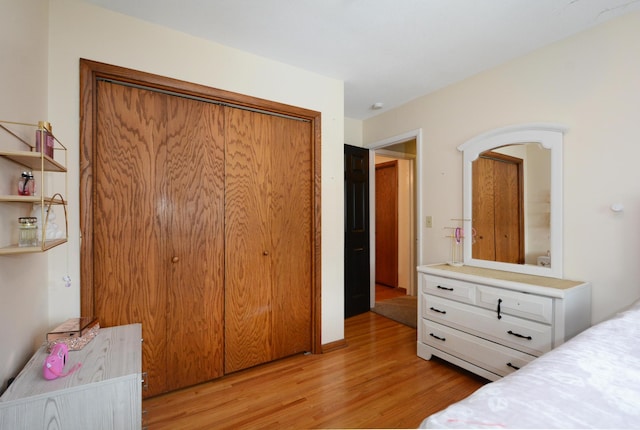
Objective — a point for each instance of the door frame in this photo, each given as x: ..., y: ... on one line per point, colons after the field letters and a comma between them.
x: 416, y: 200
x: 92, y: 71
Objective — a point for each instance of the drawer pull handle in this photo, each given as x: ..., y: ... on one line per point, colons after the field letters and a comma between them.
x: 512, y: 366
x: 437, y: 310
x: 499, y: 303
x: 444, y: 288
x: 437, y: 337
x: 519, y: 335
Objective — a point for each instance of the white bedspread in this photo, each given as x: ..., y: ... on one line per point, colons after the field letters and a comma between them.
x: 591, y: 381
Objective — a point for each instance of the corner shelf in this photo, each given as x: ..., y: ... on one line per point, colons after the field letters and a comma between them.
x: 41, y: 163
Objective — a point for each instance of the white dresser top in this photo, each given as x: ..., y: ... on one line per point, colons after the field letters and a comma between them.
x: 510, y: 280
x: 118, y: 346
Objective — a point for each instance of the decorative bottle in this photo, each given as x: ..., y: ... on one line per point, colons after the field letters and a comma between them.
x: 26, y: 184
x: 44, y: 138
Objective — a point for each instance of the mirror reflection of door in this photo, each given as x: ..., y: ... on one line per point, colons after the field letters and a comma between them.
x: 387, y: 223
x: 498, y: 215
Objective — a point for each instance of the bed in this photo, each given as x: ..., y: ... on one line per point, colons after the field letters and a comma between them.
x: 591, y: 381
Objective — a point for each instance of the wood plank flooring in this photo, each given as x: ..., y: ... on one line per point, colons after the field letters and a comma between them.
x: 383, y: 292
x: 377, y: 381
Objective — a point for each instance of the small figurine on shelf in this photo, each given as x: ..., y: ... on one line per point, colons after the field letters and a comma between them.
x: 52, y: 230
x: 26, y: 184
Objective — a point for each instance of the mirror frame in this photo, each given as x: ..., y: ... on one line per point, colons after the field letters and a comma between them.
x: 550, y: 136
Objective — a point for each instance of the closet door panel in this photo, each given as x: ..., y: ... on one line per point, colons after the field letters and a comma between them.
x: 484, y: 247
x: 290, y: 231
x: 200, y: 221
x: 248, y: 252
x: 507, y: 213
x: 191, y: 204
x: 126, y: 230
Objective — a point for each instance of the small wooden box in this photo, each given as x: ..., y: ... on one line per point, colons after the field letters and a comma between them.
x: 74, y: 332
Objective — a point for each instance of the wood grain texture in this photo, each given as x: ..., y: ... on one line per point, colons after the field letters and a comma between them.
x: 190, y: 202
x: 129, y: 277
x: 498, y: 212
x: 483, y: 210
x: 269, y: 229
x: 376, y: 381
x: 248, y: 251
x: 387, y: 223
x: 92, y: 75
x: 291, y: 236
x: 159, y: 229
x: 508, y: 192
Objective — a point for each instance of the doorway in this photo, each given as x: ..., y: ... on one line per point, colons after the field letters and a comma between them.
x: 356, y: 231
x: 386, y: 229
x: 406, y: 148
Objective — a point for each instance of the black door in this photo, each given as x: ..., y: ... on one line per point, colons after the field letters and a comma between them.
x: 356, y: 231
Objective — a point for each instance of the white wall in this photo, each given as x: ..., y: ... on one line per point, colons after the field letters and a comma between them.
x: 590, y: 83
x: 353, y: 132
x: 23, y: 90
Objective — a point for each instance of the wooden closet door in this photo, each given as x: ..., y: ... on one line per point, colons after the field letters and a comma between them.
x: 247, y: 263
x: 291, y: 235
x: 268, y: 238
x: 509, y: 243
x: 387, y: 223
x: 159, y: 232
x: 129, y: 275
x: 190, y: 202
x: 483, y: 210
x: 498, y: 208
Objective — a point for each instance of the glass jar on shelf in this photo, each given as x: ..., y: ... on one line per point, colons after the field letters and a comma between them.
x: 27, y: 231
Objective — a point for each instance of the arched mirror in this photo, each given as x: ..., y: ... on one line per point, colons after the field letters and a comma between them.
x: 512, y: 207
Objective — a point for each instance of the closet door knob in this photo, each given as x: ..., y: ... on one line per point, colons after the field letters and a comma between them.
x: 175, y: 259
x: 265, y: 252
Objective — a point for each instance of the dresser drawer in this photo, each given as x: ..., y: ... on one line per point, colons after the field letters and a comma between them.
x: 527, y: 336
x: 530, y: 306
x: 487, y: 355
x: 450, y: 288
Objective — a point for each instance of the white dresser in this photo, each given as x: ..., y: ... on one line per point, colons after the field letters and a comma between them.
x: 104, y: 393
x: 493, y: 322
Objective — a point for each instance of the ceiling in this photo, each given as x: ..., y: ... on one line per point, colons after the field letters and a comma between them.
x: 385, y: 51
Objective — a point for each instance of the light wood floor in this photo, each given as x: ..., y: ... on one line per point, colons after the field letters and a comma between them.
x: 377, y: 381
x: 383, y: 292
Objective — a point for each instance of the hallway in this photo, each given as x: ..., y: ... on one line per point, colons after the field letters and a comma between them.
x: 383, y: 292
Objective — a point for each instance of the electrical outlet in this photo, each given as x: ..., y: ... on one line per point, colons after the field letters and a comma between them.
x: 429, y: 221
